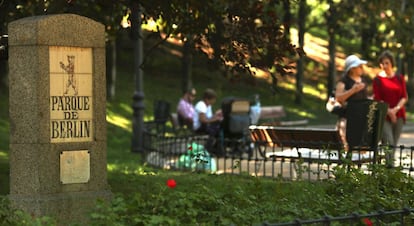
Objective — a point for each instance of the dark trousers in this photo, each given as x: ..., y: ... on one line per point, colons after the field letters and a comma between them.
x: 212, y: 130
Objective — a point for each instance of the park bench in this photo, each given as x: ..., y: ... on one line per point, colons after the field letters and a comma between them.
x: 276, y: 116
x: 307, y: 144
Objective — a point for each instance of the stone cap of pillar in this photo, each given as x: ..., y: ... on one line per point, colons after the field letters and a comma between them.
x: 32, y: 30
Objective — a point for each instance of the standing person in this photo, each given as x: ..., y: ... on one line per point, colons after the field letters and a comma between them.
x: 204, y: 120
x: 351, y: 87
x: 388, y: 86
x: 185, y: 108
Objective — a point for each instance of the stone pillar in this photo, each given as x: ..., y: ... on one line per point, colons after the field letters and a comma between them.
x: 57, y: 116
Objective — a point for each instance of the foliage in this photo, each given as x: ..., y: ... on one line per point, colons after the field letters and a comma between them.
x: 12, y: 217
x: 241, y: 36
x: 254, y: 35
x: 238, y: 37
x: 202, y: 199
x: 251, y: 25
x: 206, y: 199
x: 142, y: 196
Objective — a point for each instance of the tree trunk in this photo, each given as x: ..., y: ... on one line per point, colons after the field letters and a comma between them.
x: 187, y: 64
x: 287, y: 17
x: 4, y: 52
x: 300, y: 67
x: 410, y: 84
x: 331, y: 24
x: 367, y: 36
x: 331, y: 65
x: 409, y: 70
x: 111, y: 69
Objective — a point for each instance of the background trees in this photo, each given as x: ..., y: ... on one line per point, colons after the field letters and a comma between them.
x: 241, y: 38
x: 237, y: 37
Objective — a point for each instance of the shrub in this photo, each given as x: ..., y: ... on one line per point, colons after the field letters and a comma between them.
x: 13, y: 217
x: 200, y: 199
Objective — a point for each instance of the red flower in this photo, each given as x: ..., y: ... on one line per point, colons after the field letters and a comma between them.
x: 190, y: 147
x: 171, y: 183
x: 367, y: 222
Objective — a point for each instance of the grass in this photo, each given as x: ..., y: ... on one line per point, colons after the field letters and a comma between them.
x: 167, y: 87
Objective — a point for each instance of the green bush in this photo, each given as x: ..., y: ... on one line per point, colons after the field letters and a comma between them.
x: 12, y: 217
x: 201, y: 199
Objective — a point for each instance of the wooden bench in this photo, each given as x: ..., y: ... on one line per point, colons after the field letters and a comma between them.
x: 308, y: 144
x: 271, y: 112
x: 273, y: 115
x: 177, y: 128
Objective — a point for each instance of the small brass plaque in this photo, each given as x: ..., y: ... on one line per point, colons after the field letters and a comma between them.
x: 74, y: 167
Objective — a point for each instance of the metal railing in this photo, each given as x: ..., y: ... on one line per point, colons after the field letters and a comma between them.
x: 393, y: 217
x: 238, y: 156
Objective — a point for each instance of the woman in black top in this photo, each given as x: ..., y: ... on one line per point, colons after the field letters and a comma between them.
x: 352, y: 86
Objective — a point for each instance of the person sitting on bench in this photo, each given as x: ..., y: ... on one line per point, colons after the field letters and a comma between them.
x: 185, y: 109
x: 205, y: 121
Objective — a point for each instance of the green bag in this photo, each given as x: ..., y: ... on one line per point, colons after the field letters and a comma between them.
x: 197, y: 158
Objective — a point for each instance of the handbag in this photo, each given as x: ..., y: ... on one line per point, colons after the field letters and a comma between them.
x: 335, y: 107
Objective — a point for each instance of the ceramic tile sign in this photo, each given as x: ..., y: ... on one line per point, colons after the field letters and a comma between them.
x: 71, y: 100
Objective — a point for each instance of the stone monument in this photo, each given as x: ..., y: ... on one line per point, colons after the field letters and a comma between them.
x: 57, y: 116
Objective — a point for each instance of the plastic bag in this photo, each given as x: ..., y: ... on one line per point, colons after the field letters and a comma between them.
x: 335, y: 107
x: 197, y: 158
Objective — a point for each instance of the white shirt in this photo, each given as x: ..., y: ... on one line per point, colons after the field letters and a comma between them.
x: 201, y: 107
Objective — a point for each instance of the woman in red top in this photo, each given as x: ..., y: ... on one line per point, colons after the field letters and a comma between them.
x: 389, y: 87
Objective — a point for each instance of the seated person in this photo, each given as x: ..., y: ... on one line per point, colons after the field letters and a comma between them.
x: 204, y: 120
x: 185, y: 109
